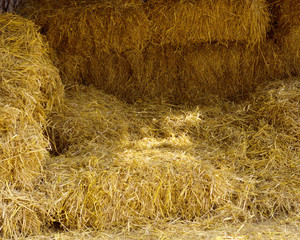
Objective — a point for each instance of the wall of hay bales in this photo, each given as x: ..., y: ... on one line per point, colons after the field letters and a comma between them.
x: 176, y: 50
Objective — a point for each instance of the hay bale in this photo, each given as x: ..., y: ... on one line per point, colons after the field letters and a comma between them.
x: 163, y: 54
x: 185, y: 75
x: 189, y: 22
x: 286, y: 25
x: 290, y: 46
x: 123, y: 24
x: 285, y: 13
x: 137, y: 188
x: 136, y: 50
x: 192, y: 74
x: 87, y: 27
x: 30, y: 87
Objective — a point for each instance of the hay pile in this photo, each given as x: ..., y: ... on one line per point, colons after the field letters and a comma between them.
x: 30, y: 87
x: 153, y: 163
x: 175, y: 50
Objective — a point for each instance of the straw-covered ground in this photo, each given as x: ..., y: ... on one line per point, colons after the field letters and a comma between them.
x: 281, y: 230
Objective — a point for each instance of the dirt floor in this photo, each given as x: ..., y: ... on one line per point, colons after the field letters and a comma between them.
x: 285, y: 229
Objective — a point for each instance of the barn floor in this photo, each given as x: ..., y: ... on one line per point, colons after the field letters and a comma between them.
x: 284, y: 229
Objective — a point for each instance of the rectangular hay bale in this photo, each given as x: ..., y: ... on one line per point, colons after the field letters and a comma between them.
x: 179, y: 22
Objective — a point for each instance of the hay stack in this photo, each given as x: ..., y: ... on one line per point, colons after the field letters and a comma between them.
x: 176, y: 50
x: 30, y: 86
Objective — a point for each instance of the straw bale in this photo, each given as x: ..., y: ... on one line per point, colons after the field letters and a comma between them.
x: 290, y: 45
x: 122, y: 24
x: 135, y: 189
x: 90, y: 26
x: 197, y: 72
x: 184, y: 75
x: 286, y: 33
x: 181, y: 22
x: 118, y: 46
x: 30, y: 87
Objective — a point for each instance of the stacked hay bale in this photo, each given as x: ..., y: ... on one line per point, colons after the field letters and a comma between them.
x: 30, y: 87
x: 178, y: 50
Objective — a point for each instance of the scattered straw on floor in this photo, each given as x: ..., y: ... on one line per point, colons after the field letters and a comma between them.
x: 215, y: 163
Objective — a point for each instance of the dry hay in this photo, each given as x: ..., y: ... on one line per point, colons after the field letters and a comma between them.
x: 184, y: 22
x: 122, y: 25
x: 90, y: 27
x: 215, y: 163
x: 275, y: 230
x: 98, y: 121
x: 30, y: 86
x: 290, y: 45
x: 118, y: 46
x: 188, y: 75
x: 134, y: 189
x: 285, y: 12
x: 22, y: 213
x: 286, y: 30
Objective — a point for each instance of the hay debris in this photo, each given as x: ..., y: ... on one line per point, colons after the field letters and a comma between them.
x: 90, y: 122
x: 134, y: 190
